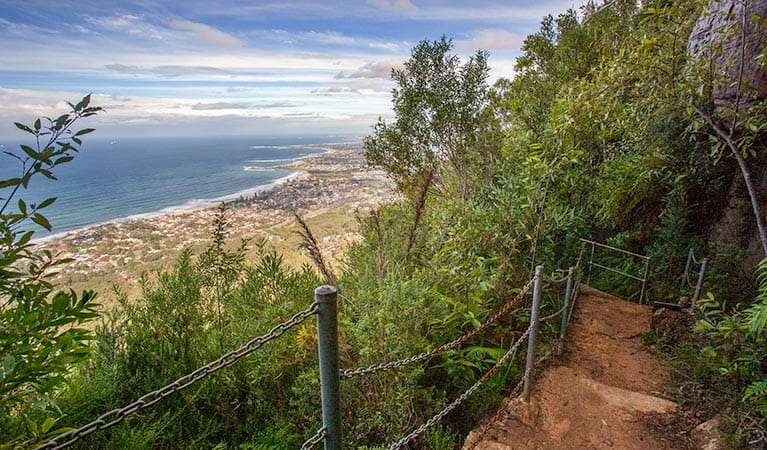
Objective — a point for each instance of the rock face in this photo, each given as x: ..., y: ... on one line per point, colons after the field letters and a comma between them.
x: 717, y: 34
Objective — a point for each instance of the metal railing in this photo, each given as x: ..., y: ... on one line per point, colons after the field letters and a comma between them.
x: 685, y: 279
x: 594, y: 245
x: 325, y: 306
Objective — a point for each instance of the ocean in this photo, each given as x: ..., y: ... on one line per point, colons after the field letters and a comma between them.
x: 110, y: 180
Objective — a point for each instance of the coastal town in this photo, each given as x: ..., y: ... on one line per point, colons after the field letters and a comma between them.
x: 328, y: 189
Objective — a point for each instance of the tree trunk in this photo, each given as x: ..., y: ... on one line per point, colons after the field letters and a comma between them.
x: 760, y: 222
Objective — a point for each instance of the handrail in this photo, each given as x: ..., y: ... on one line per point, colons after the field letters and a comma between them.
x: 591, y: 264
x: 617, y: 271
x: 599, y: 244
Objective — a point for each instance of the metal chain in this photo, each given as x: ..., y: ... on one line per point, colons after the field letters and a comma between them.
x: 437, y: 417
x: 314, y: 440
x: 348, y: 373
x: 692, y: 253
x: 551, y: 316
x: 116, y: 416
x: 555, y: 280
x: 477, y: 437
x: 689, y: 283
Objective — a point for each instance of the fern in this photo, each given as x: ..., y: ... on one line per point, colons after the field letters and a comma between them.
x: 756, y: 393
x: 756, y: 316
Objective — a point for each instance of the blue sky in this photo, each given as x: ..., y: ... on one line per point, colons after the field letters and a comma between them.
x: 198, y: 67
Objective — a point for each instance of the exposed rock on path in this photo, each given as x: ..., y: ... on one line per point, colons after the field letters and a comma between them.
x: 599, y: 394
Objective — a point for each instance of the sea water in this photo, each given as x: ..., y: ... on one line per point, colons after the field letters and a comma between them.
x: 114, y: 179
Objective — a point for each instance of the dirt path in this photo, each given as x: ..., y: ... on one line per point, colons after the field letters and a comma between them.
x: 599, y: 393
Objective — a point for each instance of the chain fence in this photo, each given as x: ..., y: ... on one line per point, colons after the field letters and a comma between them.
x: 555, y: 280
x: 325, y: 307
x: 452, y: 405
x: 348, y: 373
x: 116, y: 416
x: 318, y: 437
x: 476, y: 438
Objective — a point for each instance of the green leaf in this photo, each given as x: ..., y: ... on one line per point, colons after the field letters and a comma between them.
x: 31, y: 152
x: 42, y: 221
x: 47, y: 424
x: 10, y: 182
x: 85, y: 131
x: 63, y: 159
x: 83, y: 103
x: 37, y: 124
x: 22, y: 206
x: 47, y: 174
x: 8, y: 363
x: 23, y: 127
x: 46, y: 202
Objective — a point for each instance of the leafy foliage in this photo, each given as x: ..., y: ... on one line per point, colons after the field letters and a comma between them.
x: 41, y: 328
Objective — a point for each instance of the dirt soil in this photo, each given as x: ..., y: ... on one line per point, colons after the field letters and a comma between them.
x: 599, y: 393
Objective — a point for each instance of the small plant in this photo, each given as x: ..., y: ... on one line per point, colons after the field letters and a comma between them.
x: 41, y: 333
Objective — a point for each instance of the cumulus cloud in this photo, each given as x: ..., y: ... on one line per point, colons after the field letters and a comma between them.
x: 120, y: 68
x: 207, y: 34
x: 491, y: 39
x: 220, y: 105
x: 394, y: 5
x: 181, y: 68
x: 379, y: 69
x: 335, y: 90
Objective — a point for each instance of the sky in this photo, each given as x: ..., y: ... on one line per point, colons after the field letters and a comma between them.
x: 240, y: 67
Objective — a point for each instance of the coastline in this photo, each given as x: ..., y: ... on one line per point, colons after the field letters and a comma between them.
x: 188, y: 206
x: 199, y: 204
x: 326, y: 188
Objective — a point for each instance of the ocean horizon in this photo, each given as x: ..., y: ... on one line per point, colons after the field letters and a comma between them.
x: 117, y: 180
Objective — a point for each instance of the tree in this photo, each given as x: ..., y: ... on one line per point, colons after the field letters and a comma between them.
x: 439, y: 106
x: 737, y: 121
x: 41, y: 333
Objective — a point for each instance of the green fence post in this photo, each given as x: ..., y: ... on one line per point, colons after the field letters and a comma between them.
x: 531, y: 339
x: 327, y: 342
x: 568, y: 294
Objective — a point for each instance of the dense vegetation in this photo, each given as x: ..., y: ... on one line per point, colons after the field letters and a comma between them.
x: 608, y: 130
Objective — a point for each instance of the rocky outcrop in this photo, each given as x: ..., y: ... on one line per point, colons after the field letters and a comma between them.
x: 717, y: 34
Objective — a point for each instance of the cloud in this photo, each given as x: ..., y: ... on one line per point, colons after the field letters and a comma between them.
x: 379, y: 69
x: 276, y: 105
x: 199, y: 106
x: 491, y: 39
x: 128, y: 24
x: 181, y: 68
x: 394, y: 5
x: 334, y: 90
x: 121, y: 68
x: 329, y: 37
x: 207, y: 34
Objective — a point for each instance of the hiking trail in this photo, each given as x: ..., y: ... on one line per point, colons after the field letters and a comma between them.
x: 598, y: 392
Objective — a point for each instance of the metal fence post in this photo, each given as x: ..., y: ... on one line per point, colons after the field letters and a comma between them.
x: 531, y: 339
x: 686, y: 271
x: 591, y: 260
x: 327, y: 342
x: 699, y: 285
x: 566, y: 310
x: 644, y: 281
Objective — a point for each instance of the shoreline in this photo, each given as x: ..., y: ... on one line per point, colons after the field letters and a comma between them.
x: 327, y: 189
x: 188, y: 206
x: 203, y: 203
